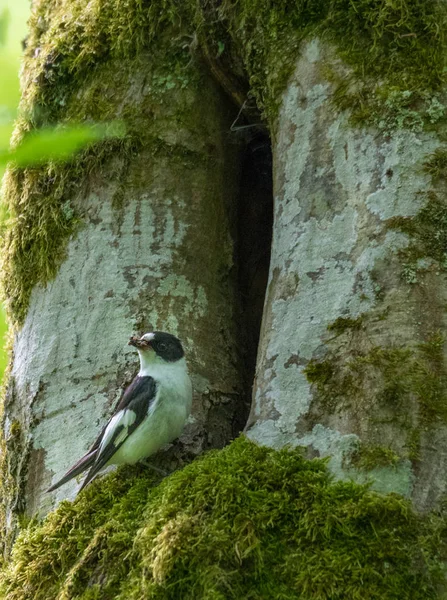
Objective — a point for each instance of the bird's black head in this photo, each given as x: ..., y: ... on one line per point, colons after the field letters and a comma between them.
x: 165, y: 345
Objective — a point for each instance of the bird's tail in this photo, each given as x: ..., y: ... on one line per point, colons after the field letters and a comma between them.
x: 82, y: 465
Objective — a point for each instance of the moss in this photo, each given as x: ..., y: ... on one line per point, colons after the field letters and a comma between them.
x: 387, y: 88
x: 389, y: 379
x: 427, y: 231
x: 244, y: 522
x: 387, y: 108
x: 335, y: 386
x: 436, y: 164
x: 8, y: 486
x: 15, y: 428
x: 418, y: 371
x: 77, y: 53
x: 399, y: 44
x: 368, y: 457
x: 42, y: 218
x: 402, y: 41
x: 72, y: 44
x: 430, y: 380
x: 413, y: 444
x: 13, y: 448
x: 343, y: 324
x: 319, y: 372
x: 40, y: 221
x: 40, y: 200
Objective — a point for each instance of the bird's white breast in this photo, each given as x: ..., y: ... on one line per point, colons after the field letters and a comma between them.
x: 166, y: 416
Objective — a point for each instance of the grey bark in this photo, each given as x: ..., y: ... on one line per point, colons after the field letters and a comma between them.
x: 337, y: 188
x: 154, y: 252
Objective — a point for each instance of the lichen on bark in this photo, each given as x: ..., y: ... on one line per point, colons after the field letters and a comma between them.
x: 132, y: 235
x: 78, y: 62
x: 401, y: 46
x: 345, y: 332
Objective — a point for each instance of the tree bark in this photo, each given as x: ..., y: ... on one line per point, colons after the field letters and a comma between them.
x: 154, y: 251
x: 351, y: 359
x: 351, y: 355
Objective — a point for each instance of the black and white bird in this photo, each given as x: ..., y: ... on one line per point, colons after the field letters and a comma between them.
x: 151, y: 413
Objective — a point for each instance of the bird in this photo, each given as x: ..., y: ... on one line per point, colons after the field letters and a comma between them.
x: 151, y: 413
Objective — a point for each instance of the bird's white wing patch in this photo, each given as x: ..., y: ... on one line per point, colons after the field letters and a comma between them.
x: 124, y: 419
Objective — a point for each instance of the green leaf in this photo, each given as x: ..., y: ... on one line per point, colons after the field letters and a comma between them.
x: 58, y: 144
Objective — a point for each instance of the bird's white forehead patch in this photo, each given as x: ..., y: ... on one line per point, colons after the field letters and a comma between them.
x: 148, y: 337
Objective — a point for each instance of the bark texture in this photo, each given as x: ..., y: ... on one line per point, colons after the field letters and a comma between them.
x: 153, y: 251
x: 351, y: 358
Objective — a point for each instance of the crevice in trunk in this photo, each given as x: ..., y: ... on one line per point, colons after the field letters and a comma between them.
x: 254, y: 237
x: 254, y: 217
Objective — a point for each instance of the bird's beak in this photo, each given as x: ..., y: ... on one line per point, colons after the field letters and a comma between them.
x: 138, y: 342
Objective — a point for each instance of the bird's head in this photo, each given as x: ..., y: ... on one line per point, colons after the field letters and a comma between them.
x: 158, y: 346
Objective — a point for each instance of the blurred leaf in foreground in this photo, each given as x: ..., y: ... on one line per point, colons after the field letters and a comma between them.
x: 57, y: 144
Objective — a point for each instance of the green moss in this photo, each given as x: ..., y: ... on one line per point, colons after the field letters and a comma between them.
x: 403, y: 41
x: 388, y: 379
x: 244, y: 522
x: 387, y: 108
x: 368, y: 457
x: 399, y: 44
x: 398, y: 73
x: 343, y: 324
x: 41, y: 221
x: 42, y: 218
x: 413, y: 444
x: 336, y: 387
x: 15, y: 428
x: 407, y: 372
x: 319, y: 372
x: 13, y: 446
x: 40, y: 200
x: 428, y: 235
x: 436, y: 164
x: 78, y: 51
x: 430, y: 380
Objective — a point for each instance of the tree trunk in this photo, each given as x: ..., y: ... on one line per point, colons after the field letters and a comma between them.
x: 138, y: 233
x: 351, y: 360
x: 152, y: 250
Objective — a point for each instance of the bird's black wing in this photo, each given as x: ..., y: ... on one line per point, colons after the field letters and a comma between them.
x: 133, y: 398
x: 82, y: 465
x: 130, y: 412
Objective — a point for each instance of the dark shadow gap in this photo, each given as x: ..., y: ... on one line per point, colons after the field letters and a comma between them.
x: 254, y: 238
x: 254, y: 212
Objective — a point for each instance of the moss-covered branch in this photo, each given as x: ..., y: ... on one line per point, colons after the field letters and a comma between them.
x: 238, y: 523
